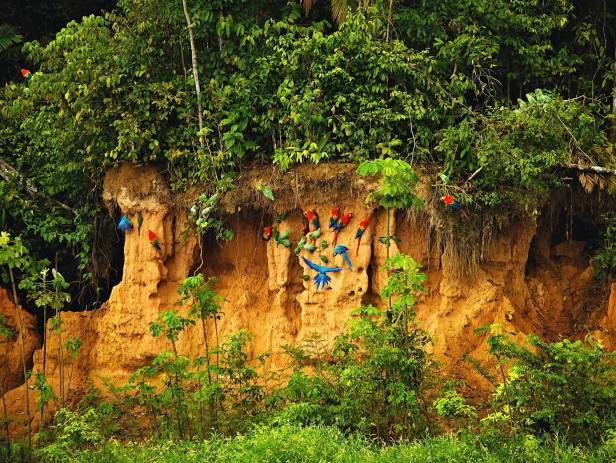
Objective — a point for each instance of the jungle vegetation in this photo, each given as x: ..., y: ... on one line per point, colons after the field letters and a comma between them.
x: 502, y: 102
x: 504, y: 93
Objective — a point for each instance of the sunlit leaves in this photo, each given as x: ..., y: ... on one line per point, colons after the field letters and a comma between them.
x: 397, y: 182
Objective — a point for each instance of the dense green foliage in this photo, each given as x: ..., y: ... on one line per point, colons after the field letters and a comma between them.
x: 566, y: 388
x: 437, y: 86
x: 491, y: 100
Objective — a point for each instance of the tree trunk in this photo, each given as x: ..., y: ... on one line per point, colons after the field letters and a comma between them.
x: 596, y: 169
x: 60, y: 356
x: 6, y: 421
x: 8, y: 173
x: 207, y: 351
x: 389, y: 18
x: 195, y: 69
x: 44, y: 356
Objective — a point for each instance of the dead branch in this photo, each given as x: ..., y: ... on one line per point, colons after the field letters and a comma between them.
x: 10, y: 174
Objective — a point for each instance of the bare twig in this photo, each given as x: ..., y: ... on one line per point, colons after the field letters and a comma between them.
x: 9, y: 174
x: 596, y: 169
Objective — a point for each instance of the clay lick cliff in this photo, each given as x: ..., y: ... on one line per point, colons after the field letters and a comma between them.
x: 529, y: 275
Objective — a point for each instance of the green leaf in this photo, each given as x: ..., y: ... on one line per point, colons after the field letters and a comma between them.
x: 266, y: 192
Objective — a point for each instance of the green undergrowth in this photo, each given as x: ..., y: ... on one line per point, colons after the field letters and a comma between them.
x: 325, y: 444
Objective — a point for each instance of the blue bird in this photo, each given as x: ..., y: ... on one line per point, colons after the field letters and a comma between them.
x: 321, y: 280
x: 125, y: 224
x: 344, y: 252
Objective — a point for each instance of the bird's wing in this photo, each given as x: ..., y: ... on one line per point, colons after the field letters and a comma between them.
x: 321, y: 268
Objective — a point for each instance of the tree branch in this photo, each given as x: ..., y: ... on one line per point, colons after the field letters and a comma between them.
x: 595, y: 169
x: 10, y: 174
x: 195, y: 69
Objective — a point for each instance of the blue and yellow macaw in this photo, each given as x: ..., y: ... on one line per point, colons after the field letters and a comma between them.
x: 344, y: 252
x: 125, y: 225
x: 321, y: 279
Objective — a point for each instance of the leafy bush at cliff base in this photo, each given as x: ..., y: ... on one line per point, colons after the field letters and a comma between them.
x: 377, y: 377
x: 565, y: 388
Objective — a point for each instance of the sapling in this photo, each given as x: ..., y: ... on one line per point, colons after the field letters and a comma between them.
x: 73, y: 345
x: 170, y: 324
x: 58, y: 299
x: 396, y: 191
x: 203, y: 303
x: 5, y: 332
x: 14, y: 256
x: 45, y: 394
x: 46, y: 293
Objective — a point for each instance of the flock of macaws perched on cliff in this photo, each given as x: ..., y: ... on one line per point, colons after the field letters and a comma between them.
x: 311, y: 232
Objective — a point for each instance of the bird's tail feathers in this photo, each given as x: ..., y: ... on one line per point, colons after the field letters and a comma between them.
x: 348, y: 260
x: 321, y: 280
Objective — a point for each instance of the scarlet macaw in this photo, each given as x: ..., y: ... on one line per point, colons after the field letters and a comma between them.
x: 27, y: 75
x: 452, y: 203
x: 313, y: 219
x: 266, y: 234
x: 344, y: 252
x: 340, y: 224
x: 360, y: 232
x: 333, y: 220
x: 156, y: 245
x: 321, y: 279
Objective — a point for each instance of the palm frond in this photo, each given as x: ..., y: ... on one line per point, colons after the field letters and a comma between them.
x: 8, y: 37
x: 340, y: 8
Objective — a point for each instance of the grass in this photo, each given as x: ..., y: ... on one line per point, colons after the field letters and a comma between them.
x: 320, y: 445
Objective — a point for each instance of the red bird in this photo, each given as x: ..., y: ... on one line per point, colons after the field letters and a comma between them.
x: 452, y: 203
x: 346, y: 218
x: 27, y: 75
x: 266, y: 234
x: 333, y: 220
x: 340, y: 224
x: 156, y: 245
x: 313, y: 219
x: 359, y: 233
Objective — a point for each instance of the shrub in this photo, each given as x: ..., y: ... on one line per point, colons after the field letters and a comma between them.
x: 375, y: 378
x: 566, y: 388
